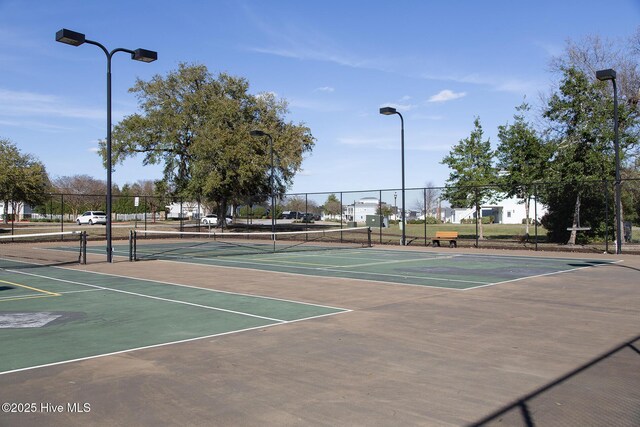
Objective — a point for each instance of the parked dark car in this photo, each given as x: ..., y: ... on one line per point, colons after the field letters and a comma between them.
x: 294, y: 215
x: 307, y: 217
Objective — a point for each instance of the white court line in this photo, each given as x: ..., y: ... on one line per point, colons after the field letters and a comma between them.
x: 194, y: 287
x: 151, y: 297
x: 397, y: 261
x: 544, y: 274
x: 163, y: 344
x: 213, y: 290
x: 187, y: 261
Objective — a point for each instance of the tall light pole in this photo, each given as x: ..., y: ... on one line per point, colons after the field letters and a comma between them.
x: 388, y: 111
x: 603, y: 75
x: 76, y: 39
x: 273, y: 197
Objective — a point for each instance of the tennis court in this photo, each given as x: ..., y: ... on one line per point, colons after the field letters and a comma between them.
x: 324, y: 336
x: 341, y: 254
x: 52, y: 315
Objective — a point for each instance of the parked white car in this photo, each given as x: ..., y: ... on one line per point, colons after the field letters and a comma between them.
x: 92, y: 217
x: 212, y: 219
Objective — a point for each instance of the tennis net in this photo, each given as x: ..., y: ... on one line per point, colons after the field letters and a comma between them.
x: 38, y: 249
x: 155, y: 244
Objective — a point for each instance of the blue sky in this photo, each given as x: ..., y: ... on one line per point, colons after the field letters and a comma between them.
x: 336, y: 62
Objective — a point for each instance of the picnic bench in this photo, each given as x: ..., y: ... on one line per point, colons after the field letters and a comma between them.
x: 450, y: 236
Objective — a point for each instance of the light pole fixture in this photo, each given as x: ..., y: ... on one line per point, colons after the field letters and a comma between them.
x: 76, y: 39
x: 395, y: 204
x: 603, y: 75
x: 388, y: 111
x: 273, y: 197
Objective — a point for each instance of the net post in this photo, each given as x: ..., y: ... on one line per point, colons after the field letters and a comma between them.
x: 369, y: 237
x: 83, y: 247
x: 131, y: 245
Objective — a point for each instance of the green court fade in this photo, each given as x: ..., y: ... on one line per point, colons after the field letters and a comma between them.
x: 452, y: 269
x: 102, y: 314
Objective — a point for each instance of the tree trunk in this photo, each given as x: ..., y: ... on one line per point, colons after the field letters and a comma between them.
x: 222, y: 212
x: 6, y: 212
x: 527, y: 206
x: 479, y: 221
x: 575, y: 223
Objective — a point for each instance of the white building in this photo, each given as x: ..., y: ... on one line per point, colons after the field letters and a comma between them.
x: 358, y: 210
x: 506, y: 211
x: 184, y: 210
x: 22, y: 210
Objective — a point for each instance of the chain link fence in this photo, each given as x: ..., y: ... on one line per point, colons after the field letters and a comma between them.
x: 543, y: 215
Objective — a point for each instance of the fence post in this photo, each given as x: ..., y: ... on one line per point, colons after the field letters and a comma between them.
x: 61, y: 212
x: 145, y: 212
x: 381, y: 219
x: 606, y: 215
x: 535, y: 213
x: 478, y: 214
x: 341, y: 213
x: 424, y: 207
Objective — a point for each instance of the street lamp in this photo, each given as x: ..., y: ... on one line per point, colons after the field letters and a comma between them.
x: 273, y: 197
x: 76, y: 39
x: 388, y: 111
x: 603, y: 75
x: 395, y: 204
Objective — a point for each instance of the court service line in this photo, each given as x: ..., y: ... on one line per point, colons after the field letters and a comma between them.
x: 80, y: 359
x: 182, y: 285
x: 327, y: 267
x: 551, y: 273
x: 289, y: 273
x: 151, y: 297
x: 257, y: 264
x: 396, y: 261
x: 347, y: 271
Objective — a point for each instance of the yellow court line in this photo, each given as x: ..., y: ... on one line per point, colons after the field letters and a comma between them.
x: 30, y: 297
x: 53, y: 294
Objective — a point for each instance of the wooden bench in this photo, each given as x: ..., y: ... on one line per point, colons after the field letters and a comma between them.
x: 451, y: 236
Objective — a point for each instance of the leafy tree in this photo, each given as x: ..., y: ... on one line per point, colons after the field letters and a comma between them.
x: 23, y: 179
x: 581, y: 134
x: 198, y: 127
x: 332, y: 206
x: 384, y: 210
x: 472, y: 173
x: 593, y: 53
x: 521, y: 159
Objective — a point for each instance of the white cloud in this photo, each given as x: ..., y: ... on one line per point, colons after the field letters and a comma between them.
x: 399, y: 106
x: 328, y: 89
x: 384, y: 143
x: 446, y: 95
x: 27, y: 104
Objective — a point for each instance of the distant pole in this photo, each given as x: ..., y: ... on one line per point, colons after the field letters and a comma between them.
x: 603, y: 75
x: 387, y: 111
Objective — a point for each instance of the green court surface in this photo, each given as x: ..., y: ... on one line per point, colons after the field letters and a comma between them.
x: 51, y: 315
x: 452, y: 270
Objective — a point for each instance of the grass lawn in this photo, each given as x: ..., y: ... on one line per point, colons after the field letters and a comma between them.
x: 512, y: 232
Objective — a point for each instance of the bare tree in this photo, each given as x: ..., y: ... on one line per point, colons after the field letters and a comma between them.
x: 81, y: 192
